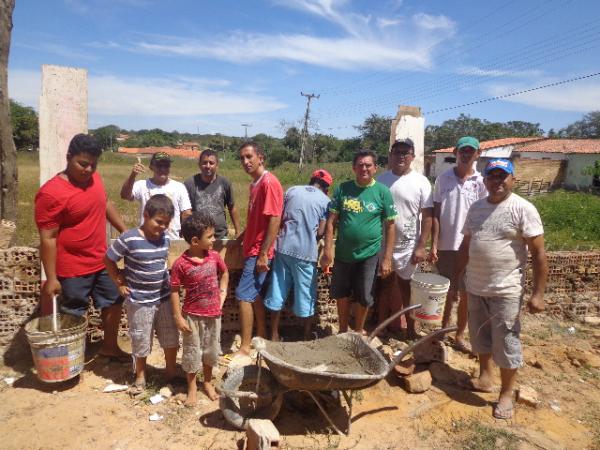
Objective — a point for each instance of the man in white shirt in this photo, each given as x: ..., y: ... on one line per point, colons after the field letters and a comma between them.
x: 411, y: 192
x: 498, y: 232
x: 159, y: 183
x: 455, y: 191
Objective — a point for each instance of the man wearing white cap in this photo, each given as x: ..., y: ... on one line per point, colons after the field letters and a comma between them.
x: 498, y: 232
x: 411, y: 192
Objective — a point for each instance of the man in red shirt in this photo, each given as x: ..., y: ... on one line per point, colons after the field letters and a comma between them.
x: 264, y: 216
x: 70, y: 212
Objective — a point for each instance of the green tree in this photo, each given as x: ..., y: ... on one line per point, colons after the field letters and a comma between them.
x: 588, y: 127
x: 375, y: 133
x: 107, y: 137
x: 25, y: 126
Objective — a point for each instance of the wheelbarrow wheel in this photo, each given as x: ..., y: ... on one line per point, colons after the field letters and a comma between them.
x: 239, y: 410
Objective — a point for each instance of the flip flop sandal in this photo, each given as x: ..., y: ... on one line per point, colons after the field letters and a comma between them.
x: 137, y: 389
x: 503, y: 413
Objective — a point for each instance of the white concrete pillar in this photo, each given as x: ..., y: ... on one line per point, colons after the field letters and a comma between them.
x: 63, y: 114
x: 410, y: 123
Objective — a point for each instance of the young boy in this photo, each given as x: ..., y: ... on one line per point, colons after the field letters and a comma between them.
x: 145, y: 285
x: 203, y: 274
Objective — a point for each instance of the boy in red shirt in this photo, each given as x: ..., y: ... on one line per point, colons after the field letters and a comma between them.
x: 203, y: 274
x: 264, y: 216
x: 70, y: 212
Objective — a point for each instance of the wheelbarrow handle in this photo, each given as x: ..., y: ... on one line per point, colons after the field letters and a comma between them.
x: 415, y: 344
x: 390, y: 319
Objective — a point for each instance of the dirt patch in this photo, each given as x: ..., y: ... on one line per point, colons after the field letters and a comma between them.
x: 330, y: 354
x: 79, y: 415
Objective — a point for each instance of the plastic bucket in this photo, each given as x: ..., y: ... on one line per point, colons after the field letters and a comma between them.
x: 57, y: 345
x: 429, y: 290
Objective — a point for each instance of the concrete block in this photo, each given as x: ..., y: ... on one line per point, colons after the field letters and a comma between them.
x: 418, y: 382
x: 431, y: 351
x: 527, y: 396
x: 261, y: 435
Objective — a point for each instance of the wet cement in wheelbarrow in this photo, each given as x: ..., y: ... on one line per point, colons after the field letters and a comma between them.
x: 329, y: 354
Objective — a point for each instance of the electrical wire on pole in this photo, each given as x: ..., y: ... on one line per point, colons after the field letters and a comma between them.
x: 309, y: 97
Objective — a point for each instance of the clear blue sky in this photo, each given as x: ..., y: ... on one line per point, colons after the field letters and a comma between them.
x: 209, y: 66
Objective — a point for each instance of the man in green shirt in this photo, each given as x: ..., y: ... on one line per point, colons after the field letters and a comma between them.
x: 360, y: 210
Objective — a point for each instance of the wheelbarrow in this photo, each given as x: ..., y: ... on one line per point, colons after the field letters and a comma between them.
x: 257, y: 392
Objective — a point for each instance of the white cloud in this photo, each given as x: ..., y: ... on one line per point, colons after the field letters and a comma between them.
x: 157, y: 97
x: 365, y: 42
x: 580, y: 96
x: 57, y: 49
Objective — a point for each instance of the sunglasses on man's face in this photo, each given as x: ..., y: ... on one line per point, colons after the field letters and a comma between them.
x: 402, y: 153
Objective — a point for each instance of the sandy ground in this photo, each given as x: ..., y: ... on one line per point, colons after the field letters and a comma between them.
x: 560, y: 367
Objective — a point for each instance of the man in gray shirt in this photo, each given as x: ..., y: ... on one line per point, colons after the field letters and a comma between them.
x: 211, y: 193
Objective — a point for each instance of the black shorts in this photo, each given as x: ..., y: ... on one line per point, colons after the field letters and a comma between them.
x: 76, y: 292
x: 356, y: 279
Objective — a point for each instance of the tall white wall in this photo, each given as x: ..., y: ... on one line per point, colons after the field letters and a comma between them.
x: 63, y: 114
x: 577, y: 162
x: 409, y: 123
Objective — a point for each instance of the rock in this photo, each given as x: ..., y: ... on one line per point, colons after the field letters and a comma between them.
x: 387, y: 351
x: 442, y: 373
x: 166, y: 392
x: 235, y: 345
x: 431, y: 351
x: 397, y: 345
x: 581, y: 358
x: 405, y: 368
x: 239, y: 361
x: 591, y: 320
x: 418, y: 382
x: 527, y: 396
x: 376, y: 342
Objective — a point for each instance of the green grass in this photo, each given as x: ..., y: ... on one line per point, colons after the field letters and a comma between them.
x: 570, y: 218
x: 478, y: 436
x: 115, y: 168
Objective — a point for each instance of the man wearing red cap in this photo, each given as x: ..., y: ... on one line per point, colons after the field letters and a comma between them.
x: 302, y: 225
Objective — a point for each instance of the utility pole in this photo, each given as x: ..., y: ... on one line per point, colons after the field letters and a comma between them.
x: 309, y: 97
x: 246, y: 125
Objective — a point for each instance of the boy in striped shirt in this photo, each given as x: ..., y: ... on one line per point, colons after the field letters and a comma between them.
x: 144, y: 283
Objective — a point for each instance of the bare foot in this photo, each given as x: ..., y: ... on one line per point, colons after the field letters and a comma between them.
x: 190, y: 400
x: 478, y: 385
x: 210, y: 391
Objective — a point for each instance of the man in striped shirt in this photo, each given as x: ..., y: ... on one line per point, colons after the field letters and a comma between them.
x: 144, y: 283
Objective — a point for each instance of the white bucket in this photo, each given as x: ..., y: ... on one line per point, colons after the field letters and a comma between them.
x: 429, y: 290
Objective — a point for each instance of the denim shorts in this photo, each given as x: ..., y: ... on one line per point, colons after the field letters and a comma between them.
x: 494, y: 327
x: 252, y: 283
x: 291, y: 272
x: 356, y: 279
x: 76, y: 292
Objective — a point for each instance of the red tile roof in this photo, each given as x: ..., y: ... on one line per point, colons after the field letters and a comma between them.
x: 484, y: 145
x: 182, y: 152
x: 589, y: 146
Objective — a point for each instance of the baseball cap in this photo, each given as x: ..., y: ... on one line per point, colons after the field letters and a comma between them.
x: 405, y: 141
x: 161, y: 156
x: 503, y: 164
x: 322, y: 174
x: 467, y: 141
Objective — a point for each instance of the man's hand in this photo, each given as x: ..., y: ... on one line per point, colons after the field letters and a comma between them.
x: 138, y: 168
x: 326, y: 260
x: 536, y: 304
x: 262, y: 263
x: 182, y: 325
x: 51, y: 288
x: 124, y: 290
x: 433, y: 254
x: 385, y: 267
x: 419, y: 255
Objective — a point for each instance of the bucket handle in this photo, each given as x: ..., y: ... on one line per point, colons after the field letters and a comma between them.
x: 54, y: 313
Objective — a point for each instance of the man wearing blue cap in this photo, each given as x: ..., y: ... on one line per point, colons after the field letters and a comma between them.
x: 455, y: 191
x: 497, y: 233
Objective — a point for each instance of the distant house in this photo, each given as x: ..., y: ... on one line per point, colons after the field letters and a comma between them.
x: 189, y: 146
x: 554, y: 161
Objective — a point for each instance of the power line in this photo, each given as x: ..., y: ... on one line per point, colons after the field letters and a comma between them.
x: 246, y: 125
x: 512, y: 94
